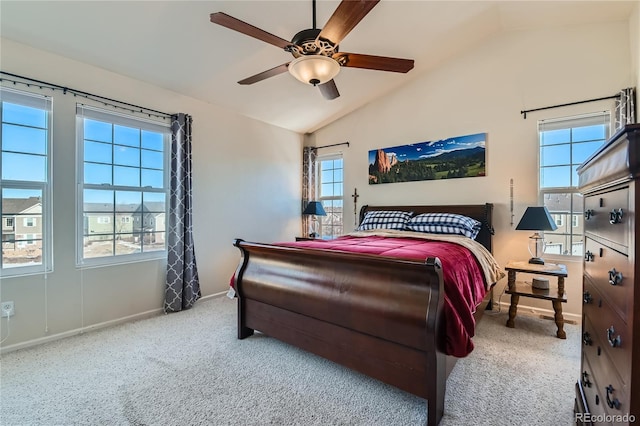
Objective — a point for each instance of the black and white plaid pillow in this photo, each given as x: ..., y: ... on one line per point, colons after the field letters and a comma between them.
x: 385, y: 219
x: 445, y: 223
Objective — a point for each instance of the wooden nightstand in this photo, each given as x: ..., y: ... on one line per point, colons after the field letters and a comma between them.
x: 556, y: 295
x: 304, y: 239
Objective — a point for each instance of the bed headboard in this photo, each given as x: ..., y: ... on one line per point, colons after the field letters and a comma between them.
x: 480, y: 212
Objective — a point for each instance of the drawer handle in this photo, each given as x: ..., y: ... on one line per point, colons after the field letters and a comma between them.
x: 585, y: 379
x: 615, y: 277
x: 615, y: 216
x: 613, y: 341
x: 612, y: 403
x: 586, y: 338
x: 588, y: 214
x: 586, y: 297
x: 588, y: 256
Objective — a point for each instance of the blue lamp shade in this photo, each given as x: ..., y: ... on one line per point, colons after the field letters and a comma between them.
x: 315, y: 208
x: 537, y: 219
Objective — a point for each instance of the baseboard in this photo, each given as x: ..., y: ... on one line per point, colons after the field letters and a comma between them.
x: 538, y: 312
x: 93, y: 327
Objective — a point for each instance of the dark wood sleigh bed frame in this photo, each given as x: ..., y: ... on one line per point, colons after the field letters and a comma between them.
x: 376, y: 315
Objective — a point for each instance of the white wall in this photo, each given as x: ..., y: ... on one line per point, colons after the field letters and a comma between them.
x: 237, y: 164
x: 484, y: 90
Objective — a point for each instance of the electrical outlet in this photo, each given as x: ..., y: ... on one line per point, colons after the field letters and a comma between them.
x: 6, y: 309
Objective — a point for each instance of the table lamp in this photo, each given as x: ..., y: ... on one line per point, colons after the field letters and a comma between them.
x: 315, y: 209
x: 536, y: 219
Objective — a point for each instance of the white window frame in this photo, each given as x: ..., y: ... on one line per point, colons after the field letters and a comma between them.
x: 600, y: 117
x: 44, y: 103
x: 324, y: 199
x: 93, y: 113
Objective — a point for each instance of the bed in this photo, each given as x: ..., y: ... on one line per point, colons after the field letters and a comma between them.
x: 379, y: 315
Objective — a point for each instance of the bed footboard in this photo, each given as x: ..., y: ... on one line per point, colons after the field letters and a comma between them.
x: 379, y: 316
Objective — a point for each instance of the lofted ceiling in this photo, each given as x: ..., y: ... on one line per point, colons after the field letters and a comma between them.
x: 172, y: 44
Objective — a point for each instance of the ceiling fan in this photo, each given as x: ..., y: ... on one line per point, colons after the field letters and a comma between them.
x: 315, y: 51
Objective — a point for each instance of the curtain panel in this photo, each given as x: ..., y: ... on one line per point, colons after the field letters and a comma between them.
x: 309, y: 155
x: 626, y: 108
x: 182, y: 284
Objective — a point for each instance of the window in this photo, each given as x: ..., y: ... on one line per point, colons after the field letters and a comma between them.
x: 330, y: 189
x: 557, y: 218
x: 122, y: 173
x: 25, y: 179
x: 565, y: 144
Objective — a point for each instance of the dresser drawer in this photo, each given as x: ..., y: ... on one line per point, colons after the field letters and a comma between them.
x: 595, y: 402
x: 607, y: 385
x: 595, y: 344
x: 607, y: 217
x: 605, y: 266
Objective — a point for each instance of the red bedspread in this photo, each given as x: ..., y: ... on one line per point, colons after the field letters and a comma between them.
x: 463, y: 278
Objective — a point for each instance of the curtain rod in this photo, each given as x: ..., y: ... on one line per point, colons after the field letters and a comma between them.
x: 563, y: 105
x: 335, y: 144
x: 112, y: 102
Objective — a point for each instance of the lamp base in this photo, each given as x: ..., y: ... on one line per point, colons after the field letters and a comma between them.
x: 536, y: 261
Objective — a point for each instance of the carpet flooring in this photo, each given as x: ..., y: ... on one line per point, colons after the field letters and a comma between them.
x: 188, y: 368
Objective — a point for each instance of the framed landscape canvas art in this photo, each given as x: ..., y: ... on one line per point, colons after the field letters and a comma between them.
x: 457, y: 157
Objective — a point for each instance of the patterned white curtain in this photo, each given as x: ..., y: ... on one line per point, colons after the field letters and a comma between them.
x: 626, y: 108
x: 182, y: 285
x: 308, y: 185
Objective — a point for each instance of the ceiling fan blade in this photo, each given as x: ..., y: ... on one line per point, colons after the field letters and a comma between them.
x: 380, y: 63
x: 230, y: 22
x: 265, y: 74
x: 329, y: 90
x: 346, y: 16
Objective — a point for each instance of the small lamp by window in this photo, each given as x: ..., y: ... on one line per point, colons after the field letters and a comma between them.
x: 536, y: 219
x: 315, y: 209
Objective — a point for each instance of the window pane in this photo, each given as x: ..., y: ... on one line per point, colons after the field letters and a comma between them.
x: 97, y: 174
x: 583, y: 150
x: 98, y: 224
x: 326, y: 190
x: 327, y: 175
x: 555, y: 177
x: 152, y: 159
x: 97, y: 152
x: 128, y: 201
x: 24, y: 139
x: 154, y: 242
x: 589, y: 133
x: 27, y: 116
x: 152, y: 178
x: 95, y: 197
x: 128, y: 244
x: 126, y: 176
x: 555, y: 155
x: 26, y: 167
x: 152, y: 140
x: 126, y: 156
x: 126, y: 136
x: 155, y: 201
x: 553, y: 137
x: 97, y: 246
x: 22, y: 227
x: 97, y: 130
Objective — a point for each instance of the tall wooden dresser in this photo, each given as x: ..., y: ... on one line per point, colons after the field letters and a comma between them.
x: 608, y: 390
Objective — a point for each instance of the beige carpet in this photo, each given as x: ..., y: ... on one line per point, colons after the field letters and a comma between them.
x: 189, y: 369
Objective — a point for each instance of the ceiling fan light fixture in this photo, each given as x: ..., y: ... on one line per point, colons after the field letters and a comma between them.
x: 314, y: 69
